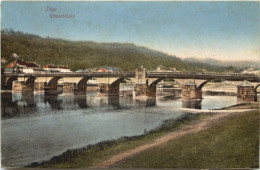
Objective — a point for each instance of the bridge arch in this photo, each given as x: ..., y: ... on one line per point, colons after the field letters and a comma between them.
x: 9, y: 82
x: 151, y: 87
x: 256, y: 91
x: 117, y: 82
x: 82, y: 84
x: 53, y: 83
x: 257, y: 87
x: 205, y: 82
x: 30, y: 81
x: 154, y: 82
x: 110, y: 89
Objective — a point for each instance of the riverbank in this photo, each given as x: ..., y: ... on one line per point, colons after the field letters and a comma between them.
x: 100, y: 155
x: 232, y: 142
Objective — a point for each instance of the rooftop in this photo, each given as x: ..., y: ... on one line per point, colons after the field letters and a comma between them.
x: 49, y: 66
x: 245, y: 83
x: 110, y: 68
x: 62, y: 66
x: 22, y: 64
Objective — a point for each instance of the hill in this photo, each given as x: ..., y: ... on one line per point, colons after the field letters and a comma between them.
x: 239, y: 64
x: 86, y: 54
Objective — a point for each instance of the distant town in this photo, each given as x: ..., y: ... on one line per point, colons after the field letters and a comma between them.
x: 21, y: 66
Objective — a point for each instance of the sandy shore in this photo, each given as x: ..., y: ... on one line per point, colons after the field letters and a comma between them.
x: 197, y: 111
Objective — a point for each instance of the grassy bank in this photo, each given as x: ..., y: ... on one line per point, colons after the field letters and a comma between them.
x: 94, y: 154
x: 231, y: 143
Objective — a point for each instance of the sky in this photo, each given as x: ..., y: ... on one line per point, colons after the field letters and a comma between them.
x: 219, y: 30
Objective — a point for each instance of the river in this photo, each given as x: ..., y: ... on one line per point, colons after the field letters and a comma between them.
x: 36, y: 127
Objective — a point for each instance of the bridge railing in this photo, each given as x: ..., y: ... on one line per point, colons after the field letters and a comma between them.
x: 207, y: 73
x: 127, y: 73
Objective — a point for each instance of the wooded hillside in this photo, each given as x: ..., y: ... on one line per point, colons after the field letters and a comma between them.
x: 86, y: 54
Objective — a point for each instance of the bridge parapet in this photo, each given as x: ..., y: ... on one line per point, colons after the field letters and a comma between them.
x: 143, y: 75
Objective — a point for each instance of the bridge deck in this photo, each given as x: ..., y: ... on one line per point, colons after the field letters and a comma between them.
x: 177, y: 75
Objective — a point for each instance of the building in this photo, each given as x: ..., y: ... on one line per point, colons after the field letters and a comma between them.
x: 172, y: 69
x: 108, y: 69
x: 63, y: 68
x: 80, y: 71
x: 20, y: 66
x: 53, y: 68
x: 250, y: 71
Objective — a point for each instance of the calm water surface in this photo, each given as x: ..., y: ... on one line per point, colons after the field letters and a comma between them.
x: 36, y: 127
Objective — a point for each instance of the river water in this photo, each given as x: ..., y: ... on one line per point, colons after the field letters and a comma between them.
x: 36, y: 127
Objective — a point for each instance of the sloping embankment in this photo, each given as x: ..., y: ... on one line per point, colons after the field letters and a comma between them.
x: 197, y: 111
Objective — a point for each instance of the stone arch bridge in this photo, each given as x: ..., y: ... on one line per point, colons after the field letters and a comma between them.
x: 145, y: 82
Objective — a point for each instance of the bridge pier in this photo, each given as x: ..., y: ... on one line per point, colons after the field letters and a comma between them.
x: 144, y: 90
x: 51, y: 89
x: 107, y: 89
x: 80, y: 89
x: 28, y: 89
x: 190, y: 91
x: 139, y: 90
x: 21, y: 86
x: 39, y: 86
x: 246, y: 92
x: 151, y: 91
x: 68, y: 87
x: 17, y: 86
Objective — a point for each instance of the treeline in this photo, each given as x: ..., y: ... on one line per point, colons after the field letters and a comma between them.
x: 86, y: 54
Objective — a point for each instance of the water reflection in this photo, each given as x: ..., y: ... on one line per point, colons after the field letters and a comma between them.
x: 81, y: 100
x: 64, y: 121
x: 169, y: 97
x: 13, y: 105
x: 53, y: 101
x: 148, y: 102
x: 8, y: 107
x: 113, y: 101
x: 196, y: 104
x: 29, y: 100
x: 18, y: 104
